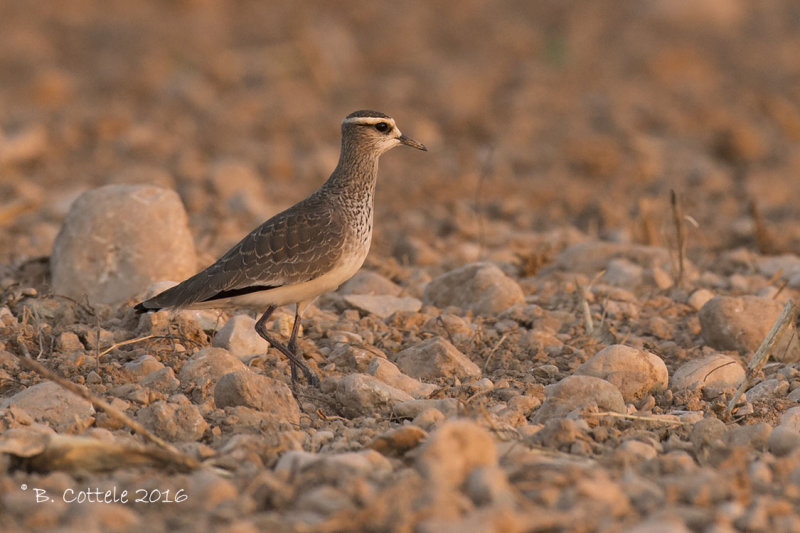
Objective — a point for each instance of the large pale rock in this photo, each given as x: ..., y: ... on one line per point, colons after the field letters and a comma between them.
x: 713, y: 374
x: 48, y: 402
x: 741, y: 322
x: 364, y: 395
x: 248, y: 389
x: 635, y: 373
x: 479, y: 287
x: 435, y: 358
x: 118, y: 239
x: 591, y: 257
x: 579, y: 392
x: 239, y: 337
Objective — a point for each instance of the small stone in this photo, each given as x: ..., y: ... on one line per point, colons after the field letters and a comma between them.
x: 411, y: 409
x: 478, y: 287
x: 661, y: 278
x: 142, y: 366
x: 742, y: 322
x: 368, y: 282
x: 176, y: 423
x: 435, y: 358
x: 49, y: 403
x: 383, y: 305
x: 454, y: 451
x: 204, y: 368
x: 546, y: 372
x: 152, y: 224
x: 488, y: 485
x: 428, y: 419
x: 162, y: 380
x: 623, y: 273
x: 783, y: 440
x: 364, y: 395
x: 93, y: 378
x: 714, y: 374
x: 791, y: 418
x: 579, y: 392
x: 69, y: 342
x: 699, y: 298
x: 397, y: 442
x: 347, y: 356
x: 707, y: 431
x: 388, y: 372
x: 248, y: 389
x: 636, y: 373
x: 239, y: 337
x: 769, y: 388
x: 754, y: 435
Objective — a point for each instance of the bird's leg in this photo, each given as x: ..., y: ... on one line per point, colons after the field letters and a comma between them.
x: 293, y: 339
x: 294, y: 360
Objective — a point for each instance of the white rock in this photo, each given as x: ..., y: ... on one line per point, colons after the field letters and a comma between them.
x: 713, y: 374
x: 139, y: 234
x: 49, y: 403
x: 204, y: 368
x: 382, y: 305
x: 363, y: 395
x: 248, y: 389
x: 479, y: 287
x: 369, y: 283
x: 634, y: 372
x: 454, y: 451
x: 435, y: 358
x: 239, y: 337
x: 388, y: 372
x: 579, y: 392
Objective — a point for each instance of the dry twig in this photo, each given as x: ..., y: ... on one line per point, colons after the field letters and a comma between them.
x: 680, y: 234
x: 179, y: 458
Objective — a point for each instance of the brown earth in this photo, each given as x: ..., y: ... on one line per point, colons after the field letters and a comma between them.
x: 548, y: 124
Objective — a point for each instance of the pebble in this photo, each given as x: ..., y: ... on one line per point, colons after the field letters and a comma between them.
x: 49, y: 403
x: 636, y: 373
x: 742, y: 322
x: 713, y: 374
x: 428, y: 419
x: 623, y: 273
x: 435, y: 358
x: 454, y: 451
x: 413, y: 408
x: 69, y: 342
x: 791, y: 418
x: 383, y: 305
x: 365, y: 395
x: 783, y: 440
x: 152, y: 224
x: 590, y: 257
x: 176, y: 423
x: 388, y: 372
x: 349, y: 357
x: 143, y: 365
x: 769, y: 388
x: 396, y: 442
x: 699, y: 298
x: 239, y: 337
x: 579, y: 392
x: 481, y: 288
x: 162, y: 380
x: 204, y: 368
x: 707, y: 431
x: 753, y: 436
x: 248, y: 389
x: 366, y: 282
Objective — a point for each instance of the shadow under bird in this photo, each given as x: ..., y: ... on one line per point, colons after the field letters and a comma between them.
x: 309, y: 249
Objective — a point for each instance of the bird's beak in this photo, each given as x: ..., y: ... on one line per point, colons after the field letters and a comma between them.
x: 408, y: 141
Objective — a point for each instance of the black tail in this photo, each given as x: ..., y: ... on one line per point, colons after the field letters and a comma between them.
x: 141, y: 309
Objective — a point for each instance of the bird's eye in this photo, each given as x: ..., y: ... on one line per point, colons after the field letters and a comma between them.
x: 382, y: 127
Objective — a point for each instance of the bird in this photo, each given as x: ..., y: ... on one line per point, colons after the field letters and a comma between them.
x: 302, y: 252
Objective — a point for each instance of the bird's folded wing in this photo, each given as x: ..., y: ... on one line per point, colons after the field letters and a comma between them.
x: 294, y: 246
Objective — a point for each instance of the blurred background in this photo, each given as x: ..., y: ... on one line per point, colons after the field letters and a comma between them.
x: 547, y: 122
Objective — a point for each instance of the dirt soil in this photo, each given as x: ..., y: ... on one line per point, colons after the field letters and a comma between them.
x: 549, y: 125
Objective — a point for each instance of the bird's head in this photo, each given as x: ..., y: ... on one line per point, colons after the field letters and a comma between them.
x: 374, y: 131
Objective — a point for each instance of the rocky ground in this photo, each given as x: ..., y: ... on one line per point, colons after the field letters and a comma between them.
x: 562, y: 298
